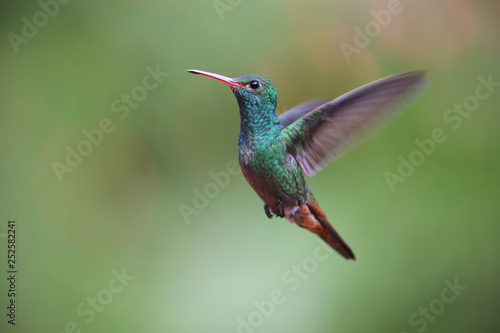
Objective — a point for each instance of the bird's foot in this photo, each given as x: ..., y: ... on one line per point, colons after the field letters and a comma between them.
x: 268, y: 212
x: 280, y: 208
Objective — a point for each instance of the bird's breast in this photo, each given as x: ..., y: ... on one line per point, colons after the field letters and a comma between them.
x: 273, y: 173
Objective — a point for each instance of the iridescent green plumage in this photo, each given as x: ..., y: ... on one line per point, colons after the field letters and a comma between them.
x: 272, y: 172
x: 276, y: 151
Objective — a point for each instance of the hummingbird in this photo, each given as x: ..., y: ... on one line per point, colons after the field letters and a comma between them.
x: 277, y: 152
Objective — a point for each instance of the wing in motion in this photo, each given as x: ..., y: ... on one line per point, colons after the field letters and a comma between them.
x: 332, y: 128
x: 300, y: 110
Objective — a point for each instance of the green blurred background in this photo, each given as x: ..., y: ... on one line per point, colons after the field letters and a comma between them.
x: 119, y: 210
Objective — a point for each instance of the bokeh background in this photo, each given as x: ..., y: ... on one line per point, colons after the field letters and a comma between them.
x: 120, y: 209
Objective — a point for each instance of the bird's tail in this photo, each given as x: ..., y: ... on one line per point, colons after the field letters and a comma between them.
x: 311, y: 217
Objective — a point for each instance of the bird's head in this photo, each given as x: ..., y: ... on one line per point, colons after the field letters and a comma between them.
x: 253, y: 92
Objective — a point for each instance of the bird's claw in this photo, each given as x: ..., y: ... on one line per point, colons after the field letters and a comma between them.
x: 280, y: 209
x: 268, y: 212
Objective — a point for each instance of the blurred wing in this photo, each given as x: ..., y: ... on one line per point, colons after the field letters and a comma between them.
x: 331, y: 129
x: 300, y: 110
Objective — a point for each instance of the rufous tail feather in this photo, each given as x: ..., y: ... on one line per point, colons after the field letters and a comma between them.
x: 311, y: 217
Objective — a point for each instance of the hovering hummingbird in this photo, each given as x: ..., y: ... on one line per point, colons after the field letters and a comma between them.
x: 275, y: 152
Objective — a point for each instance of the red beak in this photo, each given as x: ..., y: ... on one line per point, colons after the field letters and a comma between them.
x: 224, y: 79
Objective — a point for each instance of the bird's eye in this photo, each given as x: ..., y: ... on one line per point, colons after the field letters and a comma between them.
x: 254, y: 84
